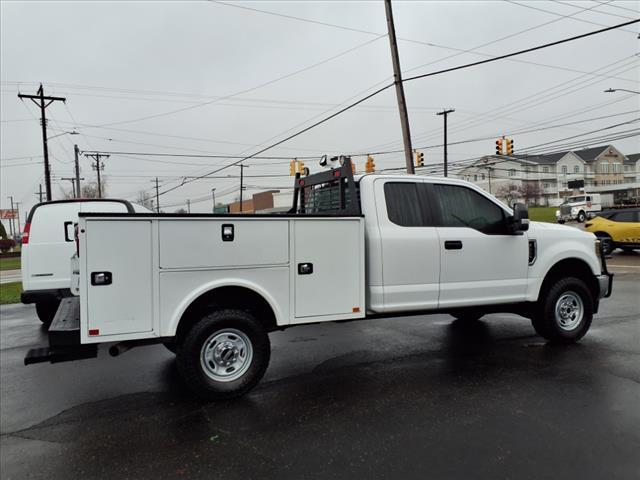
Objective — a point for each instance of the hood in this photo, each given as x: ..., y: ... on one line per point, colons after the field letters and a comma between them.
x: 553, y: 229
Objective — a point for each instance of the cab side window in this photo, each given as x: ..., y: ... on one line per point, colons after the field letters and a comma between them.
x: 462, y: 207
x: 407, y: 204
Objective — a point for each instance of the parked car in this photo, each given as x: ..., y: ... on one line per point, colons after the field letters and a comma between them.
x: 380, y: 245
x: 617, y: 229
x: 579, y: 208
x: 48, y: 244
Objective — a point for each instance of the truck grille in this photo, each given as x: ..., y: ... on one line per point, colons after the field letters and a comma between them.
x: 565, y: 210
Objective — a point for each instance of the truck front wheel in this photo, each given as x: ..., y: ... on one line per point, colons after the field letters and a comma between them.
x: 224, y: 355
x: 564, y: 311
x: 581, y: 217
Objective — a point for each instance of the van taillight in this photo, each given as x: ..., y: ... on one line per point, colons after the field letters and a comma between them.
x: 25, y: 233
x: 77, y: 239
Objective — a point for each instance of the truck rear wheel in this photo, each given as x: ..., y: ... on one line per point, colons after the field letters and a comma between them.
x: 564, y: 312
x: 47, y: 310
x: 224, y: 355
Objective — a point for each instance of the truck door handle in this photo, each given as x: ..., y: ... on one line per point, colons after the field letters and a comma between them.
x: 67, y: 238
x: 305, y: 268
x: 453, y: 245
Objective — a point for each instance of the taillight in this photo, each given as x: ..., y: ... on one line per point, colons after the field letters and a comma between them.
x: 25, y: 233
x: 77, y: 239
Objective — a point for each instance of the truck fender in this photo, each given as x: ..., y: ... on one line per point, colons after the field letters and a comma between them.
x: 176, y: 317
x: 553, y: 255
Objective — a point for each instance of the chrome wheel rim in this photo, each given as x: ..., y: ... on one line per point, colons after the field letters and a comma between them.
x: 226, y: 355
x: 569, y: 311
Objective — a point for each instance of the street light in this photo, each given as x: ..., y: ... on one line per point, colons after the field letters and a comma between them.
x: 611, y: 90
x: 64, y: 133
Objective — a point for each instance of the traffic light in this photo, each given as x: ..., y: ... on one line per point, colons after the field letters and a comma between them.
x: 419, y: 159
x: 292, y: 167
x: 370, y: 166
x: 300, y: 167
x: 499, y: 147
x: 509, y: 146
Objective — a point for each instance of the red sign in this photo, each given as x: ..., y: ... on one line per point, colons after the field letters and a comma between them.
x: 6, y: 214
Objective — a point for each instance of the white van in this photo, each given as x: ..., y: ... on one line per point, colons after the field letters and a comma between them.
x: 47, y: 245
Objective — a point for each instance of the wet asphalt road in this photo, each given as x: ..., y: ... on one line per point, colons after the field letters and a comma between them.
x: 419, y: 397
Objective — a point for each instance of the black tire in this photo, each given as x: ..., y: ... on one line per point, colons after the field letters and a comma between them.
x: 193, y: 344
x: 581, y: 217
x: 561, y: 294
x: 606, y: 243
x: 47, y: 310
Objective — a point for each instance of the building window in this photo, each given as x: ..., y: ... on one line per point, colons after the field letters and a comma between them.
x: 626, y: 168
x: 604, y: 168
x: 526, y: 170
x: 564, y: 169
x: 545, y: 185
x: 576, y: 169
x: 616, y: 168
x: 512, y: 173
x: 482, y: 176
x: 545, y: 169
x: 475, y: 178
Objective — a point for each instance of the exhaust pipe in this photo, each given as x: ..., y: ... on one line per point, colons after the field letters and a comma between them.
x: 119, y: 348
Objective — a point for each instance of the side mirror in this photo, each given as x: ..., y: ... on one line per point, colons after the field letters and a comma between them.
x: 519, y: 221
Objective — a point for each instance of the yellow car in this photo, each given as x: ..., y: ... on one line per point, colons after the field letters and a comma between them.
x: 617, y: 229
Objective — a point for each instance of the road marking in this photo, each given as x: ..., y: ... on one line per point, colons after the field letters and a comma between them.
x: 623, y: 266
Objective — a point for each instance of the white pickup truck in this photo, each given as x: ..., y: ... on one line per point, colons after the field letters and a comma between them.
x: 211, y: 287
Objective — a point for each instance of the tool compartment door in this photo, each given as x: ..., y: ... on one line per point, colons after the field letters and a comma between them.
x: 119, y: 277
x: 328, y: 268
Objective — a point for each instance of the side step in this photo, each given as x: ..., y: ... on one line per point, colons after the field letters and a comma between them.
x: 61, y: 354
x: 64, y: 337
x: 65, y: 327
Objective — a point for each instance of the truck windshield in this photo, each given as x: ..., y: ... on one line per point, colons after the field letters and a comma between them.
x: 574, y: 200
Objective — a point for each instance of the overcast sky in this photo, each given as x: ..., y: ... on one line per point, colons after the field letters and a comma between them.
x: 119, y: 63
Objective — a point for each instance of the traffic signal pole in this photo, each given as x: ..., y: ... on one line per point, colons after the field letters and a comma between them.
x: 397, y: 75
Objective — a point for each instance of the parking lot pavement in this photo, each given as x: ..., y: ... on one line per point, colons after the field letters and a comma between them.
x: 420, y: 397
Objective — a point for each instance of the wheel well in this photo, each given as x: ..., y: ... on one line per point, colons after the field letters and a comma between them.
x: 228, y: 297
x: 601, y: 234
x: 572, y: 267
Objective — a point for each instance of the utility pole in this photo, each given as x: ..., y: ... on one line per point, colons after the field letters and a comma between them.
x: 11, y: 218
x: 97, y: 167
x: 157, y: 196
x: 73, y: 181
x: 188, y: 206
x: 242, y: 167
x: 43, y: 102
x: 445, y: 113
x: 39, y: 193
x: 397, y: 75
x: 76, y: 151
x: 213, y: 199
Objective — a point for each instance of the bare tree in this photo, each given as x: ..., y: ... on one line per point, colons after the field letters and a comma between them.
x: 145, y: 199
x: 181, y: 211
x: 531, y: 192
x: 509, y: 192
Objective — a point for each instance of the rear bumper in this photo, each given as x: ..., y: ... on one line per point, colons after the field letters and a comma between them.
x: 44, y: 296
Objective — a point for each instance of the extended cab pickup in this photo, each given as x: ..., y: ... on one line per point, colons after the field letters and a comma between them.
x: 211, y: 287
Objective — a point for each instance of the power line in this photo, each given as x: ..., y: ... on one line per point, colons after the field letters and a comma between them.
x: 264, y: 84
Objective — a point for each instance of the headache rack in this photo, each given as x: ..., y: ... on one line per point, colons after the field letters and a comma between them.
x: 332, y: 191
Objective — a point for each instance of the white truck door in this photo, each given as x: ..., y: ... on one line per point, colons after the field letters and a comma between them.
x: 410, y: 245
x: 328, y: 267
x: 119, y: 276
x: 481, y: 263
